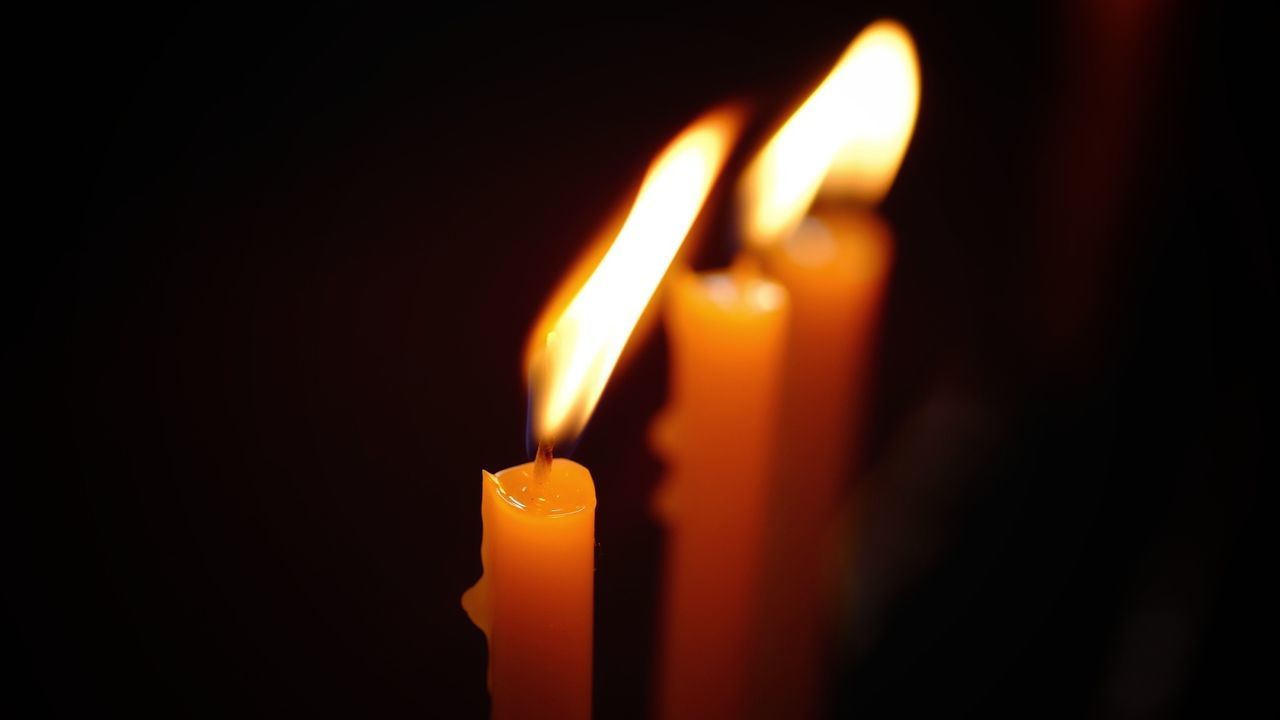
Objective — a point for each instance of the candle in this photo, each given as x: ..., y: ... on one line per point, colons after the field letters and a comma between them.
x: 843, y: 146
x: 717, y: 437
x: 835, y: 268
x: 533, y: 601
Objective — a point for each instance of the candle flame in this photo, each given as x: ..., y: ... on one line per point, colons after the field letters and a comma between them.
x: 574, y: 349
x: 847, y: 139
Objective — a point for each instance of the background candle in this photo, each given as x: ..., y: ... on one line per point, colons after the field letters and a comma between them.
x: 844, y: 144
x: 717, y: 437
x: 835, y: 268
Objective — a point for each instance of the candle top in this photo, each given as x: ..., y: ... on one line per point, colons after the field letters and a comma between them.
x: 855, y: 243
x: 565, y: 490
x: 749, y: 293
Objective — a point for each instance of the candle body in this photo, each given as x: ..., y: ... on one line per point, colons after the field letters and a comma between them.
x: 534, y: 600
x: 717, y: 437
x: 834, y: 269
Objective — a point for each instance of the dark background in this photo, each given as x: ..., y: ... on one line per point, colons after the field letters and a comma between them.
x: 270, y: 314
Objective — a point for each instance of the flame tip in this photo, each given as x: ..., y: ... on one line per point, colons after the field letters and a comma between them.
x: 847, y: 139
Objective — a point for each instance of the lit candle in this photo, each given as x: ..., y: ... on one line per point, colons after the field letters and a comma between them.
x: 717, y: 436
x: 836, y: 274
x: 534, y: 600
x: 843, y: 146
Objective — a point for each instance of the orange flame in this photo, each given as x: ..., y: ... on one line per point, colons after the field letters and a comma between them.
x: 847, y: 139
x: 574, y: 351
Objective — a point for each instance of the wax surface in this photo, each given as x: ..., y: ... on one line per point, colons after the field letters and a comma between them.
x: 717, y: 438
x: 534, y: 600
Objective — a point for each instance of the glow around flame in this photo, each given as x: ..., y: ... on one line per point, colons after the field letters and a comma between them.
x: 573, y: 355
x: 847, y: 139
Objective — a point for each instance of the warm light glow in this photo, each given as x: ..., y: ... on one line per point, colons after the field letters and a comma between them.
x: 572, y: 360
x: 847, y: 139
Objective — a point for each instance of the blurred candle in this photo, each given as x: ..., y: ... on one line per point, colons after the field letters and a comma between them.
x: 534, y: 600
x: 726, y: 332
x: 835, y: 268
x: 843, y: 146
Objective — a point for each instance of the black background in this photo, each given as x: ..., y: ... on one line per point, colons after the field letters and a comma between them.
x: 270, y: 314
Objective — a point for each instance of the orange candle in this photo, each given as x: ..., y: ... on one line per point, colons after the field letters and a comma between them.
x: 539, y: 534
x: 843, y: 146
x: 836, y: 267
x: 534, y: 600
x: 717, y: 437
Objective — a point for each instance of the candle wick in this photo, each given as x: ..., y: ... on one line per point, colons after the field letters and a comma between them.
x: 542, y: 462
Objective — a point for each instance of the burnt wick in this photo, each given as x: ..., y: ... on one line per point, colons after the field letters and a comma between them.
x: 542, y: 462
